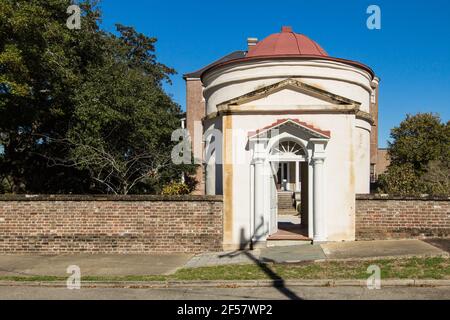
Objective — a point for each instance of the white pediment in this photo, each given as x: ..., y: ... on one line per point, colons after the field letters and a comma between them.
x: 289, y: 93
x: 287, y: 97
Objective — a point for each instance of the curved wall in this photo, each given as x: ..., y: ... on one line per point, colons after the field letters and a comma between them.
x: 231, y: 81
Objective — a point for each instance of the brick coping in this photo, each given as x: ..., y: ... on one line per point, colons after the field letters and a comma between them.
x: 101, y: 197
x: 405, y: 198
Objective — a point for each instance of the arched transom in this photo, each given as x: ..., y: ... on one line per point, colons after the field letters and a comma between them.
x: 287, y: 149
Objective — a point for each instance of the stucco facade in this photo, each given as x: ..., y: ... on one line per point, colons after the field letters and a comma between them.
x: 322, y: 105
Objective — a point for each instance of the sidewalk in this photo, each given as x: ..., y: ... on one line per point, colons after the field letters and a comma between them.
x: 92, y: 265
x: 329, y: 251
x: 130, y: 265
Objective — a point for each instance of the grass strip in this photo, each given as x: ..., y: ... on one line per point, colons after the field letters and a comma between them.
x: 405, y: 268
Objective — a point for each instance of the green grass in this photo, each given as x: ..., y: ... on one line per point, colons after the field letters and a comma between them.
x: 411, y: 268
x: 407, y: 268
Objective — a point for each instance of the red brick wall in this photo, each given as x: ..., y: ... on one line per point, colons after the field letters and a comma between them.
x: 383, y: 217
x: 128, y: 224
x: 195, y: 111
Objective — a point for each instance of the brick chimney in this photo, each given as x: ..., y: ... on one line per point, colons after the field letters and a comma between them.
x: 251, y: 42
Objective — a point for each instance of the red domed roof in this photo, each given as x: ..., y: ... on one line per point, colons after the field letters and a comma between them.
x: 286, y: 43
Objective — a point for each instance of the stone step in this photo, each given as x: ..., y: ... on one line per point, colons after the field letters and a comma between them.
x: 285, y: 200
x: 286, y: 243
x: 288, y: 212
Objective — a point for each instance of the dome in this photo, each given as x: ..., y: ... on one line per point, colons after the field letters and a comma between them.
x: 286, y: 43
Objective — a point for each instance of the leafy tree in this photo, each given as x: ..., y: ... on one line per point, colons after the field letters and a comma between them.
x: 124, y: 120
x: 81, y: 110
x: 42, y: 62
x: 401, y: 179
x: 418, y: 140
x: 420, y: 153
x: 437, y: 177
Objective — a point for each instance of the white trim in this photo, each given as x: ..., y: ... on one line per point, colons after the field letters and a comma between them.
x: 314, y: 149
x: 290, y: 121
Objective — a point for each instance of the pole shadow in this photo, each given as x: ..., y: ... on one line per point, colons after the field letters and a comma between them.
x: 245, y: 247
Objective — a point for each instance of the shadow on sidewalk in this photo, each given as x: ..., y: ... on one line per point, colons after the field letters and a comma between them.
x: 441, y: 243
x: 277, y: 281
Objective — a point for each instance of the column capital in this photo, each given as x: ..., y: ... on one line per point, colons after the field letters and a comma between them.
x: 258, y: 160
x: 318, y: 160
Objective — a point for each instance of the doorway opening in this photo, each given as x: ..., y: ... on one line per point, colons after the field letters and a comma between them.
x: 289, y: 193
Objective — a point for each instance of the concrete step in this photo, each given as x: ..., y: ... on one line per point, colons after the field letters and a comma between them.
x: 285, y: 200
x: 286, y: 243
x: 288, y: 212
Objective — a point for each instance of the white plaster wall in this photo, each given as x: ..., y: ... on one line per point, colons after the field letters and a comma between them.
x: 347, y: 166
x: 338, y: 168
x: 362, y: 156
x: 235, y: 80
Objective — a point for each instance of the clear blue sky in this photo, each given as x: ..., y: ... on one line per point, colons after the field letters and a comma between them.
x: 411, y: 52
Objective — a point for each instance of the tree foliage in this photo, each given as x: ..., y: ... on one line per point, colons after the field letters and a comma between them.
x: 420, y: 157
x: 80, y: 110
x: 125, y: 120
x: 42, y: 62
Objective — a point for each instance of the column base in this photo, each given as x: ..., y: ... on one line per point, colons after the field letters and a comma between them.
x: 319, y: 240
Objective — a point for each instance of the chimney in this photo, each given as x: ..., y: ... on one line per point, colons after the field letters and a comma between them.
x: 251, y: 42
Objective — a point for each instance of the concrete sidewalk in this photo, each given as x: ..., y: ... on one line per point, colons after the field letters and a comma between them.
x: 380, y: 249
x: 92, y: 265
x: 328, y: 251
x: 122, y: 265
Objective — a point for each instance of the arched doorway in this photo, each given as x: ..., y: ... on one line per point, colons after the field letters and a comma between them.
x: 287, y: 219
x: 268, y: 152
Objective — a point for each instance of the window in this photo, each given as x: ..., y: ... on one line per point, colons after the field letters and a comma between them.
x: 288, y: 148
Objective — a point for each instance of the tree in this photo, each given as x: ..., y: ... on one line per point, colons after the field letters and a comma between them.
x: 401, y: 179
x: 418, y: 140
x: 437, y: 177
x: 123, y: 120
x: 42, y: 63
x: 81, y: 110
x: 419, y: 152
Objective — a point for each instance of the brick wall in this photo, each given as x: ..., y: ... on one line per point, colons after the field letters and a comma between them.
x: 195, y: 111
x: 110, y: 224
x: 384, y: 217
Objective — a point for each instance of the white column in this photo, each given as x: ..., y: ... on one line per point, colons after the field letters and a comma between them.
x: 288, y: 176
x: 297, y: 176
x: 319, y: 213
x: 282, y: 176
x: 259, y: 223
x: 210, y: 179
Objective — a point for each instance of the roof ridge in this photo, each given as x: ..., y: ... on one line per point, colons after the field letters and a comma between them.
x: 296, y: 41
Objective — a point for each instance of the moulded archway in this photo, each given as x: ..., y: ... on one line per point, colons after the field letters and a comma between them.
x: 263, y: 144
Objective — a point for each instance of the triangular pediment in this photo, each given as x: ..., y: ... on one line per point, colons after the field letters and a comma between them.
x: 283, y: 124
x: 290, y: 92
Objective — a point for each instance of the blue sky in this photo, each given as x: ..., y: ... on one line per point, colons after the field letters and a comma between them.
x: 411, y: 52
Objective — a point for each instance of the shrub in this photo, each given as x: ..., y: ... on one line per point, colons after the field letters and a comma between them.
x: 437, y: 178
x: 175, y: 189
x: 400, y: 180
